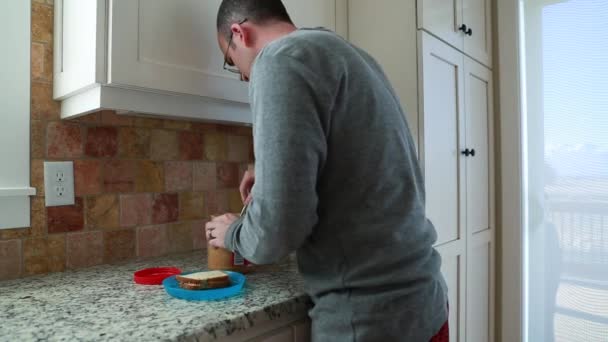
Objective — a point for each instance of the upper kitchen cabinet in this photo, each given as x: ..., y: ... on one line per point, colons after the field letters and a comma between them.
x: 157, y: 57
x: 464, y: 24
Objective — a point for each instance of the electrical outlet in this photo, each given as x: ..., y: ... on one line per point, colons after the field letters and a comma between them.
x: 59, y: 183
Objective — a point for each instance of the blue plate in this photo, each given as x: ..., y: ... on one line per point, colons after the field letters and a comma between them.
x: 172, y: 287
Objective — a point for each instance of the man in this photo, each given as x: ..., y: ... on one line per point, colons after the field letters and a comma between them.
x: 336, y: 178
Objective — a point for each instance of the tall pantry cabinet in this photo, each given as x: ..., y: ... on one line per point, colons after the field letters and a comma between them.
x: 437, y: 54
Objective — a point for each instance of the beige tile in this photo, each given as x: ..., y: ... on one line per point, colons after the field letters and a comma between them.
x: 119, y: 175
x: 177, y: 125
x: 135, y: 210
x: 69, y: 218
x: 215, y: 146
x: 37, y: 176
x: 152, y: 241
x: 235, y: 203
x: 150, y: 176
x: 65, y: 140
x: 102, y: 212
x: 38, y: 139
x: 43, y: 107
x: 178, y: 176
x: 205, y: 176
x: 37, y: 65
x: 198, y: 235
x: 148, y: 122
x: 134, y: 142
x: 180, y: 237
x: 238, y: 148
x: 119, y: 245
x: 84, y: 249
x: 228, y: 175
x: 109, y: 117
x: 10, y: 259
x: 191, y: 206
x: 42, y: 23
x: 87, y: 177
x: 164, y: 145
x: 44, y: 255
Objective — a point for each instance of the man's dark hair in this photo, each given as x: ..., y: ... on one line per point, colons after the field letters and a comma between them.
x: 255, y: 11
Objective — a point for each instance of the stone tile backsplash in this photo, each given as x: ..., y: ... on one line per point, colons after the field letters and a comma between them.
x: 144, y: 187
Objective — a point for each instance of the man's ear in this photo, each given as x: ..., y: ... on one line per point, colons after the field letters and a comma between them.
x: 243, y: 34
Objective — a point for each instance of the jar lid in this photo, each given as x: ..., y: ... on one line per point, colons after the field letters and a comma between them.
x: 155, y: 276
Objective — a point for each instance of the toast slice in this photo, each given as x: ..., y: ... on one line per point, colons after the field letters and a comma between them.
x: 203, y: 280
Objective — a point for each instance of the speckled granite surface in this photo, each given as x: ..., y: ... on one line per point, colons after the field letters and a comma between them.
x: 103, y: 303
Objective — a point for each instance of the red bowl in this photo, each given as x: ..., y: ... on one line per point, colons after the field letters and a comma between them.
x: 154, y: 276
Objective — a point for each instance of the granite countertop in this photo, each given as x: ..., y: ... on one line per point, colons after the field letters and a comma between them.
x: 103, y: 303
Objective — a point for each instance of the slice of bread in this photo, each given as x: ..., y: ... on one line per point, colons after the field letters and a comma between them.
x: 203, y: 280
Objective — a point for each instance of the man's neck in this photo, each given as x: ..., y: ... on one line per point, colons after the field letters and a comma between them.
x: 272, y: 32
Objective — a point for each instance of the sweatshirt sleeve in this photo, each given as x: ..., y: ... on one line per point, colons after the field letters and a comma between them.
x: 288, y: 101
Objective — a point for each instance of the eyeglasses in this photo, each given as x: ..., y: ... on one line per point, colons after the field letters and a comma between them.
x: 229, y: 65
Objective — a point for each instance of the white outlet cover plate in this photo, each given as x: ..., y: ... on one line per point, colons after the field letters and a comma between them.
x: 58, y: 183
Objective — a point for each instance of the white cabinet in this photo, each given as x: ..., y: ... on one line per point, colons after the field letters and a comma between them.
x: 282, y: 335
x: 479, y: 203
x: 464, y: 24
x: 453, y: 268
x: 301, y: 331
x: 442, y: 124
x: 387, y: 31
x: 157, y: 57
x: 456, y: 127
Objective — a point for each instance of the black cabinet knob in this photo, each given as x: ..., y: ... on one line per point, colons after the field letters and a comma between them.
x: 469, y: 32
x: 468, y: 152
x: 463, y: 28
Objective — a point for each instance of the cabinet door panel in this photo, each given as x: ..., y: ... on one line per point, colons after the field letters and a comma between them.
x: 453, y: 268
x: 478, y: 108
x: 170, y: 46
x: 480, y: 288
x: 312, y: 13
x: 282, y: 335
x: 477, y: 15
x: 442, y: 18
x: 442, y: 127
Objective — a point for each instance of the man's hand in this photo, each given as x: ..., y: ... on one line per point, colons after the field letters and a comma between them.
x: 247, y: 184
x: 215, y: 230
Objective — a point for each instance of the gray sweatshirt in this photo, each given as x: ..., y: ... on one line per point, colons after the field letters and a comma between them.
x: 337, y: 180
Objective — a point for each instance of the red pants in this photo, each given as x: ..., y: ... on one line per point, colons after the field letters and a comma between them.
x: 443, y: 335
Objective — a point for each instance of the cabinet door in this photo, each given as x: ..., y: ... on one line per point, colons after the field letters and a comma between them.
x: 170, y: 46
x: 281, y: 335
x: 480, y: 202
x: 315, y: 13
x: 442, y: 128
x: 301, y: 331
x: 480, y: 288
x: 477, y: 15
x: 400, y: 62
x: 453, y: 268
x: 443, y: 19
x: 479, y: 128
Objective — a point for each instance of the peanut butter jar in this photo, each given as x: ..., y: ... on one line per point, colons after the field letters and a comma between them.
x: 220, y: 259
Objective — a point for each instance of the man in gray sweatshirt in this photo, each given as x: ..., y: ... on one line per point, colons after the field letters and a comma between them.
x: 336, y: 179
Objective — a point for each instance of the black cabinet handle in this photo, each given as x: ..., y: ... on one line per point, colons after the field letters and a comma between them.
x: 463, y: 28
x: 468, y: 152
